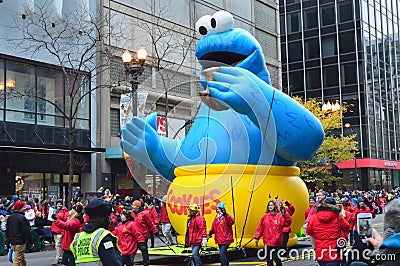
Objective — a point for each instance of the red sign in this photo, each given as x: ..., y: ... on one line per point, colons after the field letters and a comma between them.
x: 161, y: 126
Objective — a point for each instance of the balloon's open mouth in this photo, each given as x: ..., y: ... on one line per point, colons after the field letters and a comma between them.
x: 216, y: 59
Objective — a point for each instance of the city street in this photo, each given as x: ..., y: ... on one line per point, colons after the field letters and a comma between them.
x: 45, y: 258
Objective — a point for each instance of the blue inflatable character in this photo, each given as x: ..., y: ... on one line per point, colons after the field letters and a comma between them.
x: 258, y: 125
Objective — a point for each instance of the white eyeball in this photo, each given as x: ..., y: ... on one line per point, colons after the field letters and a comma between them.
x: 221, y: 21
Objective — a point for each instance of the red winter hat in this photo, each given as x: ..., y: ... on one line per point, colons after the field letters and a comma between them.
x: 18, y: 205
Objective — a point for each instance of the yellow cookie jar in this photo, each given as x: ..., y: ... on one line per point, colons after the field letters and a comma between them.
x: 246, y: 189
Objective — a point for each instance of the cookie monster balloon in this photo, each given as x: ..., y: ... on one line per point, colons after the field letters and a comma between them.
x: 244, y: 141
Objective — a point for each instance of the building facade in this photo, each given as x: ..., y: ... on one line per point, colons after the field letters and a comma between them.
x: 35, y: 100
x: 171, y: 75
x: 348, y: 51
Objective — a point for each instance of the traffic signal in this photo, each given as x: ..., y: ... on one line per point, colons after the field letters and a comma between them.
x: 351, y: 175
x: 336, y: 171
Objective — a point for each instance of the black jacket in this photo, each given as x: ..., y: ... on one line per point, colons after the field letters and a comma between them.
x: 108, y: 256
x: 18, y: 231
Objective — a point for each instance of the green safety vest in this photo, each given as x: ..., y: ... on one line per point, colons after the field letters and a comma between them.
x: 86, y: 245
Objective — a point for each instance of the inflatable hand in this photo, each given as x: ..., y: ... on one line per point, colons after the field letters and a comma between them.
x: 140, y: 139
x: 235, y: 88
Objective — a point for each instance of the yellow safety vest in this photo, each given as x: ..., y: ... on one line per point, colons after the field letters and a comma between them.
x: 86, y: 245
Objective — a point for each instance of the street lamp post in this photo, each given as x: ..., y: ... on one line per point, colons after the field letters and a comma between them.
x: 134, y: 67
x: 357, y: 178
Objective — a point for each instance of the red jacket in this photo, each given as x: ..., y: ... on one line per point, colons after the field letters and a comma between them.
x: 222, y: 228
x: 289, y: 209
x: 127, y: 238
x: 70, y: 228
x: 354, y: 211
x: 143, y: 224
x: 311, y: 213
x: 327, y: 226
x: 164, y: 214
x: 62, y: 215
x: 153, y: 215
x: 196, y: 229
x: 271, y: 226
x: 367, y: 210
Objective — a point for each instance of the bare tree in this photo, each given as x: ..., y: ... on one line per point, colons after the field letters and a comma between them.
x: 171, y: 46
x: 74, y: 42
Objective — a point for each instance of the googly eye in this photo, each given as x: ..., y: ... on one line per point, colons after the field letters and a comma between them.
x: 221, y: 21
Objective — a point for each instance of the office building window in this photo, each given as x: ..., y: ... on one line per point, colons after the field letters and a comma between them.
x: 327, y: 15
x: 348, y: 74
x: 345, y: 11
x: 295, y: 51
x: 313, y: 78
x: 310, y: 18
x: 312, y: 48
x: 346, y: 42
x: 293, y: 22
x: 330, y: 75
x: 114, y: 122
x: 296, y: 82
x: 329, y: 47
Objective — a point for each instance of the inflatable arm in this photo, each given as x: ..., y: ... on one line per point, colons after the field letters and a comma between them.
x: 299, y: 132
x: 141, y: 142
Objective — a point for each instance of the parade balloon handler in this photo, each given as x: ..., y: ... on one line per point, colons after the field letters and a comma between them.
x: 144, y: 224
x: 127, y: 238
x: 222, y: 229
x: 196, y: 234
x: 270, y: 229
x: 96, y: 244
x: 243, y: 122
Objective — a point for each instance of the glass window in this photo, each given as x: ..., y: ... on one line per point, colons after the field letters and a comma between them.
x: 346, y: 42
x: 293, y: 22
x: 296, y: 80
x: 348, y: 74
x: 345, y: 11
x: 50, y: 86
x: 331, y: 76
x: 329, y: 47
x: 313, y: 78
x: 310, y: 18
x: 311, y: 48
x: 295, y: 51
x: 21, y: 89
x: 327, y: 15
x: 114, y: 122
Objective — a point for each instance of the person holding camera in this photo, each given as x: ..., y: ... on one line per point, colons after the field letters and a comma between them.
x: 222, y: 228
x: 270, y: 229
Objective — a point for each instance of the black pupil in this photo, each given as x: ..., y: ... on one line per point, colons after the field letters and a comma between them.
x: 203, y: 30
x: 213, y: 23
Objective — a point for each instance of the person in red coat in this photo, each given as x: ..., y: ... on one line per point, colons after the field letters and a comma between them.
x: 327, y: 226
x: 128, y: 237
x: 144, y: 224
x: 364, y: 209
x: 165, y: 223
x: 196, y: 234
x: 222, y: 228
x: 286, y: 230
x: 149, y: 207
x: 72, y: 226
x: 61, y: 214
x: 270, y: 228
